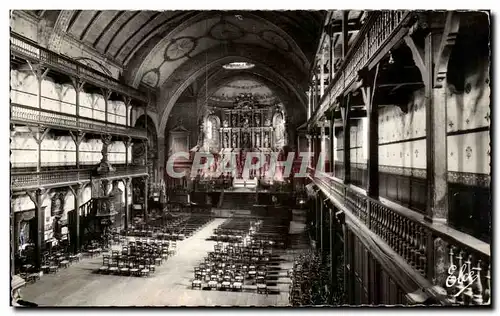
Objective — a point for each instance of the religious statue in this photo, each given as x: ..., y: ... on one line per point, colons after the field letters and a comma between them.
x: 226, y: 140
x: 235, y: 141
x: 257, y: 120
x: 56, y: 227
x: 225, y: 123
x: 257, y: 140
x: 267, y: 122
x: 246, y: 140
x: 246, y: 121
x: 266, y: 141
x: 233, y: 120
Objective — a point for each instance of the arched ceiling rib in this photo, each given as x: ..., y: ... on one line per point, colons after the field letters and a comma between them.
x: 275, y: 65
x: 203, y: 32
x: 284, y: 96
x: 222, y: 77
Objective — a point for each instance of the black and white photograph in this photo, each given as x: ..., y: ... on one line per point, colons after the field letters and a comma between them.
x: 250, y: 158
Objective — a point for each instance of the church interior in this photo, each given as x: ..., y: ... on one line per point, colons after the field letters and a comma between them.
x: 358, y: 144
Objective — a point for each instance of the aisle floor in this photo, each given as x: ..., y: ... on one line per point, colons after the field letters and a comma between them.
x: 170, y: 285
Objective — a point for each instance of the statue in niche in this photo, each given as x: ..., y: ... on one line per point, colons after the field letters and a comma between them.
x: 246, y: 140
x: 225, y: 123
x: 57, y: 228
x: 267, y: 122
x: 235, y: 141
x: 233, y: 120
x: 257, y: 140
x: 246, y: 121
x: 23, y: 233
x: 257, y: 120
x: 266, y: 141
x: 226, y: 140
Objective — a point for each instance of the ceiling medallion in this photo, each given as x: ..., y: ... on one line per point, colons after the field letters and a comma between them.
x: 238, y: 65
x: 179, y: 48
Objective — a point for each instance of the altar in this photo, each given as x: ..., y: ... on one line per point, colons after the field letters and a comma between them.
x: 232, y: 134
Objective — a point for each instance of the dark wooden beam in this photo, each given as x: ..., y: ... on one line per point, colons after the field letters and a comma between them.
x: 354, y: 114
x: 336, y: 27
x: 345, y: 40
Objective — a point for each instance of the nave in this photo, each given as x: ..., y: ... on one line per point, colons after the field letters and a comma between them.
x: 169, y: 285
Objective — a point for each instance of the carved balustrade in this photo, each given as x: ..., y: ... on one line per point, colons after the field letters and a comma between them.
x: 25, y: 48
x: 379, y: 28
x: 54, y: 178
x: 463, y: 277
x: 26, y: 114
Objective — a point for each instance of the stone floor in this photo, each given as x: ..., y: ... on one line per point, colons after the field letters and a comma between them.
x: 170, y: 285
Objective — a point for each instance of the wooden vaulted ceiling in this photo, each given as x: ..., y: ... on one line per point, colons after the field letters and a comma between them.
x: 119, y: 34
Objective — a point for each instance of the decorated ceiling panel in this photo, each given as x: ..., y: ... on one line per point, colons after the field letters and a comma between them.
x: 231, y: 91
x: 220, y: 31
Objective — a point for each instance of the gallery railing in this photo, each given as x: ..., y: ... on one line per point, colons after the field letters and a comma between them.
x: 27, y: 114
x: 441, y: 254
x: 25, y: 48
x: 377, y: 32
x: 26, y: 180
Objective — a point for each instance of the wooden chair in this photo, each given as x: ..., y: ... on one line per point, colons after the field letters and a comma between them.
x: 213, y: 283
x: 134, y: 270
x: 113, y: 267
x: 145, y: 270
x: 237, y: 285
x: 125, y: 268
x: 196, y: 284
x: 151, y: 266
x: 105, y: 265
x: 225, y: 285
x: 261, y: 286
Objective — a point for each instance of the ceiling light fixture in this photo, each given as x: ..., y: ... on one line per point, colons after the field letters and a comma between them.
x: 238, y: 65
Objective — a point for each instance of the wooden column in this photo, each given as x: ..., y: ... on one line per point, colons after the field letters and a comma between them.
x: 37, y: 197
x: 78, y: 136
x: 127, y: 101
x: 332, y: 56
x: 432, y: 61
x: 78, y: 85
x: 345, y: 38
x: 332, y: 142
x: 347, y: 278
x: 145, y: 199
x: 106, y: 94
x: 316, y: 210
x: 39, y: 133
x: 333, y: 259
x: 127, y: 142
x: 345, y: 112
x: 127, y: 182
x: 75, y: 227
x: 368, y: 92
x: 315, y: 91
x: 321, y: 224
x: 436, y: 141
x: 77, y: 139
x: 322, y: 73
x: 147, y: 140
x: 309, y: 103
x: 131, y: 116
x: 40, y: 72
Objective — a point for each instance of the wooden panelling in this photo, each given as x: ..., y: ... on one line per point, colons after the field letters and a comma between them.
x: 368, y: 281
x: 470, y: 210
